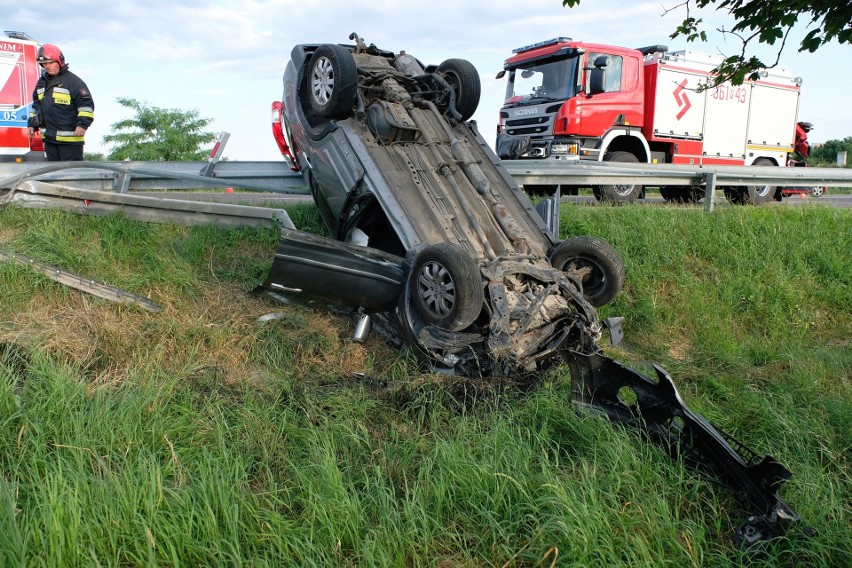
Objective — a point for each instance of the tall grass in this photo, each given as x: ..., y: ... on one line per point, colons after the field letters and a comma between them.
x: 200, y: 436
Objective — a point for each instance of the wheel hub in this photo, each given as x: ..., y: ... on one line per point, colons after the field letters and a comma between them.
x: 437, y: 289
x: 322, y: 80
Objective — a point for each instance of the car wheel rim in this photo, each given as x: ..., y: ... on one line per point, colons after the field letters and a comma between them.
x: 624, y: 190
x: 436, y: 289
x: 322, y: 81
x: 763, y: 190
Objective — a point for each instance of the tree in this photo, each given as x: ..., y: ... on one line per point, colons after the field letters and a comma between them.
x: 157, y: 134
x: 826, y: 153
x: 767, y: 22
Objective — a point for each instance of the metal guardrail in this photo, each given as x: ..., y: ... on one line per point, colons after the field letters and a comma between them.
x: 143, y: 208
x: 554, y: 172
x: 560, y: 172
x: 99, y: 289
x: 278, y: 177
x: 275, y: 177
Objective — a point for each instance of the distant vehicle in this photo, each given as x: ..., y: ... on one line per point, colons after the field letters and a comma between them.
x: 19, y: 73
x: 572, y: 100
x: 435, y: 241
x: 799, y: 158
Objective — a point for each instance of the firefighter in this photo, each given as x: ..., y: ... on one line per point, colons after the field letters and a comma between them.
x: 62, y: 107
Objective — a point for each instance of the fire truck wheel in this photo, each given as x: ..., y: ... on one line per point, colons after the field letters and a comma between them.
x: 733, y: 195
x: 464, y: 80
x: 758, y: 194
x: 595, y: 263
x: 331, y: 83
x: 445, y: 286
x: 540, y: 190
x: 682, y: 194
x: 626, y: 193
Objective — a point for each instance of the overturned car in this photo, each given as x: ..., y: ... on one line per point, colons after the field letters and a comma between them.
x: 435, y: 244
x: 472, y: 276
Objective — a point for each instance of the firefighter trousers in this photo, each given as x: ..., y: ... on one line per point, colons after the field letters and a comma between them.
x: 63, y: 152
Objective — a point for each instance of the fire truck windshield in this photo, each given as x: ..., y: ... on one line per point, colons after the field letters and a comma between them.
x: 542, y: 81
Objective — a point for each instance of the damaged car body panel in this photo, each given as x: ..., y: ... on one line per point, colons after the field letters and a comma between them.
x: 435, y: 242
x: 309, y: 268
x: 655, y: 407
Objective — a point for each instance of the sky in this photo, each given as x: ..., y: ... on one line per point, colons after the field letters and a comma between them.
x: 225, y: 58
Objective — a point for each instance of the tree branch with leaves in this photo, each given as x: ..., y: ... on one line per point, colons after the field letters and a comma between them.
x: 765, y: 22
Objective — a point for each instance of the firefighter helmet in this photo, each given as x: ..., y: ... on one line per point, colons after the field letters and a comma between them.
x: 49, y: 52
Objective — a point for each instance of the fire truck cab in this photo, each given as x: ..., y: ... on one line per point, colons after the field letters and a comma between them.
x: 572, y: 100
x: 19, y: 73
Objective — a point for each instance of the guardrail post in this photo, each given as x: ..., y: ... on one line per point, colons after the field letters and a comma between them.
x: 121, y: 184
x: 709, y: 191
x: 215, y: 154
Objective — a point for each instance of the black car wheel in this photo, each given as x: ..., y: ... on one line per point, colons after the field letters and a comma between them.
x: 446, y: 287
x: 595, y: 263
x: 331, y: 83
x: 463, y: 77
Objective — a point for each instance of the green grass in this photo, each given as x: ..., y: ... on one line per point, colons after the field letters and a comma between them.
x: 199, y: 436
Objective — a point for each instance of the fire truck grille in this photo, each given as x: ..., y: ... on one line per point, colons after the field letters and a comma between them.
x: 526, y: 121
x: 530, y: 125
x: 526, y: 131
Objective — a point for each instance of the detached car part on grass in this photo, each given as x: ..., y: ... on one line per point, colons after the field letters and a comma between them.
x: 435, y: 243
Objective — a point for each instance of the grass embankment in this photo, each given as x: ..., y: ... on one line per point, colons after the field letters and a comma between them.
x: 198, y: 436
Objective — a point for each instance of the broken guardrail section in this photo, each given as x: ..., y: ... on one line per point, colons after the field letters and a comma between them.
x: 36, y: 194
x: 99, y: 289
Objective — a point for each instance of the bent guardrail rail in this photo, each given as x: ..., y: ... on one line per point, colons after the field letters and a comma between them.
x: 42, y: 195
x: 275, y: 177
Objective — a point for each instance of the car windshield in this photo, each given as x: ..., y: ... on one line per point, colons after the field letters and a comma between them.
x: 542, y: 81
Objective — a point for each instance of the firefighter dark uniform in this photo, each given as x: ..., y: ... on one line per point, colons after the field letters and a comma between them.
x: 62, y: 107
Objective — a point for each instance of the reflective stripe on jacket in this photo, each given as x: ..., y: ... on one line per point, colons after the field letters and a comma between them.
x: 60, y: 104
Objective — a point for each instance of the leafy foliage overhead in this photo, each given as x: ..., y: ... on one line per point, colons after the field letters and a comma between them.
x: 157, y: 134
x: 768, y: 22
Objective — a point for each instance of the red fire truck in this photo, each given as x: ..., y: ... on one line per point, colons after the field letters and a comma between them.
x: 18, y: 75
x: 571, y: 100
